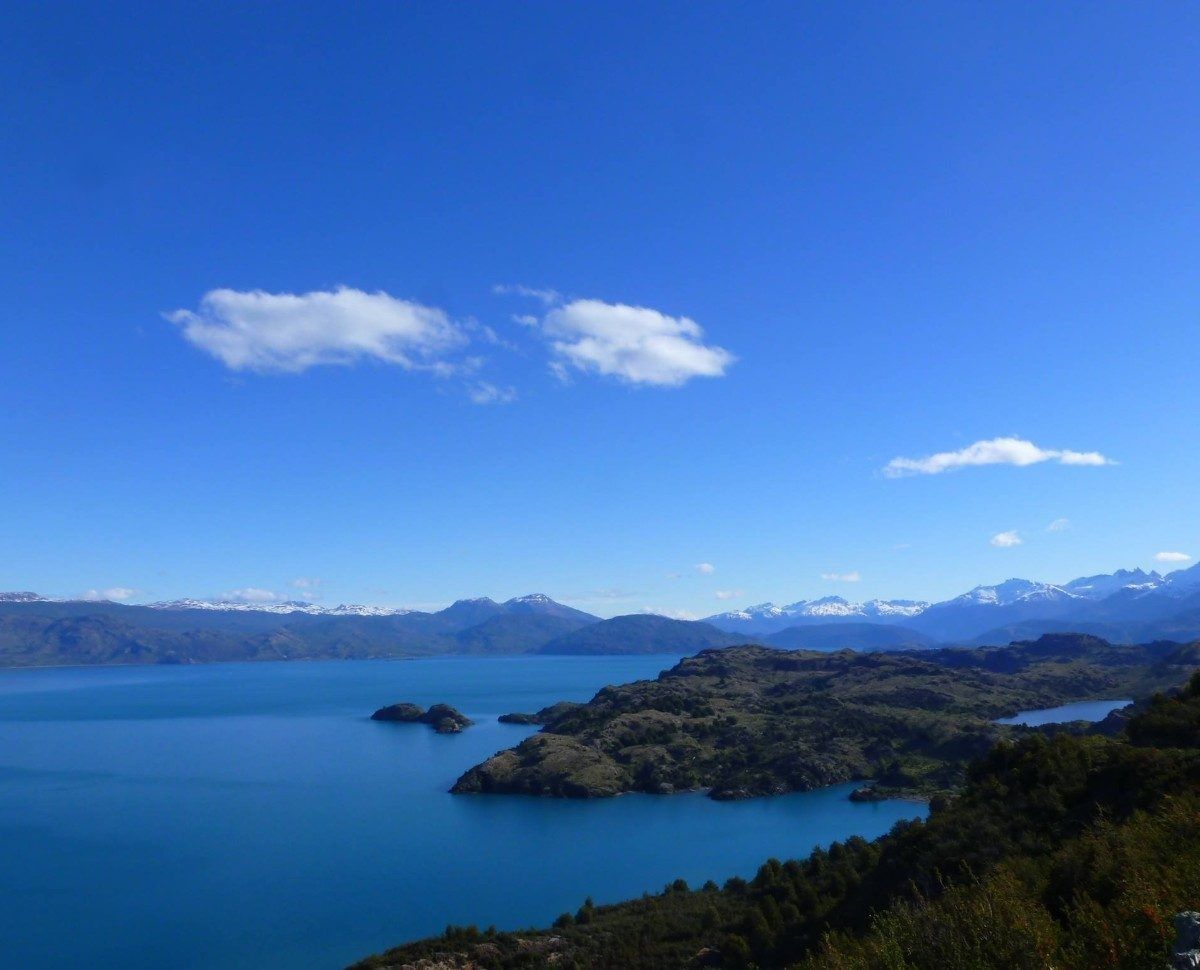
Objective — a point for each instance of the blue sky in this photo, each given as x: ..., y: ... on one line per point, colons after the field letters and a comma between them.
x: 852, y: 234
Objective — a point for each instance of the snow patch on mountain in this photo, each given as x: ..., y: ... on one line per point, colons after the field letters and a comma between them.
x: 289, y: 606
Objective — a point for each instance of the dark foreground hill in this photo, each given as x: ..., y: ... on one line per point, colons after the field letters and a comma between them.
x: 747, y: 721
x: 1065, y: 851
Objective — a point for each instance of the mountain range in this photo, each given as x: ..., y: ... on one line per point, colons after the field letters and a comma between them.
x: 1127, y: 606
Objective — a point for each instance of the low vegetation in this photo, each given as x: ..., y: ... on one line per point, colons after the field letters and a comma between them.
x: 1061, y: 850
x: 749, y: 721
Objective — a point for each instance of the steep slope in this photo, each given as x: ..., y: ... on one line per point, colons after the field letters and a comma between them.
x: 849, y: 636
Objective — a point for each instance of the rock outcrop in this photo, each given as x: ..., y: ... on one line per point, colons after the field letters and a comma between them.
x: 1185, y: 954
x: 441, y: 717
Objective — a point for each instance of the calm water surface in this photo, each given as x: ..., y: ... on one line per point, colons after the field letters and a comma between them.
x: 250, y: 815
x: 1079, y: 711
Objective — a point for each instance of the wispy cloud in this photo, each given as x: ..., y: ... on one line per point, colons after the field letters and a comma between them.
x: 546, y: 295
x: 729, y: 594
x: 996, y: 451
x: 1059, y: 525
x: 307, y: 587
x: 485, y: 393
x: 1006, y: 540
x: 850, y: 577
x: 705, y: 568
x: 259, y: 331
x: 1172, y: 557
x: 636, y: 345
x: 114, y: 594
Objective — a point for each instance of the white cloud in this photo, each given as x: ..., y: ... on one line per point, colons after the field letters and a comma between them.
x: 526, y: 319
x: 1006, y: 540
x: 1172, y: 557
x: 705, y: 568
x: 1059, y: 525
x: 546, y: 295
x: 850, y: 577
x: 485, y: 393
x: 634, y: 344
x: 996, y: 451
x: 672, y: 614
x: 259, y: 331
x: 114, y: 594
x: 252, y: 594
x: 729, y: 594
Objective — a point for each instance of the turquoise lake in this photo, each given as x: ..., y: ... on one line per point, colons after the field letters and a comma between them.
x: 250, y: 815
x: 1078, y: 711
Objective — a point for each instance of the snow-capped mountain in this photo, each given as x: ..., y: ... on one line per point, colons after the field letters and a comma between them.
x: 1182, y: 581
x: 24, y: 597
x: 288, y: 606
x: 768, y: 618
x: 1105, y: 584
x: 1124, y: 594
x: 1009, y: 592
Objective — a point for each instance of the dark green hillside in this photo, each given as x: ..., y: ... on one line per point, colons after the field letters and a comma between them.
x: 1063, y: 851
x: 642, y: 633
x: 754, y: 721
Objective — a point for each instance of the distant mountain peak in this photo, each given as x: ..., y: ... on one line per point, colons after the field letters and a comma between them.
x: 22, y: 597
x: 531, y: 598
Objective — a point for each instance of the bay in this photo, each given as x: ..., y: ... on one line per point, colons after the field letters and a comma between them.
x: 251, y: 815
x: 1077, y: 711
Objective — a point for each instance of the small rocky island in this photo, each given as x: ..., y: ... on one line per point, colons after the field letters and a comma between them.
x: 441, y: 717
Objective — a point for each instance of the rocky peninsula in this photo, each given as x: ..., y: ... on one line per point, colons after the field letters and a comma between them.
x: 746, y: 721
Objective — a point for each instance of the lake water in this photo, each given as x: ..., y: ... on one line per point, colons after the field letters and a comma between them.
x: 250, y: 815
x: 1079, y: 711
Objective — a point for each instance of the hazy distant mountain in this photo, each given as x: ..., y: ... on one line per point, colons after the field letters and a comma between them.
x: 287, y: 607
x: 1108, y: 603
x: 467, y: 613
x: 1129, y: 606
x: 642, y: 633
x: 852, y: 636
x: 1104, y: 585
x: 512, y: 633
x: 35, y: 630
x: 541, y: 604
